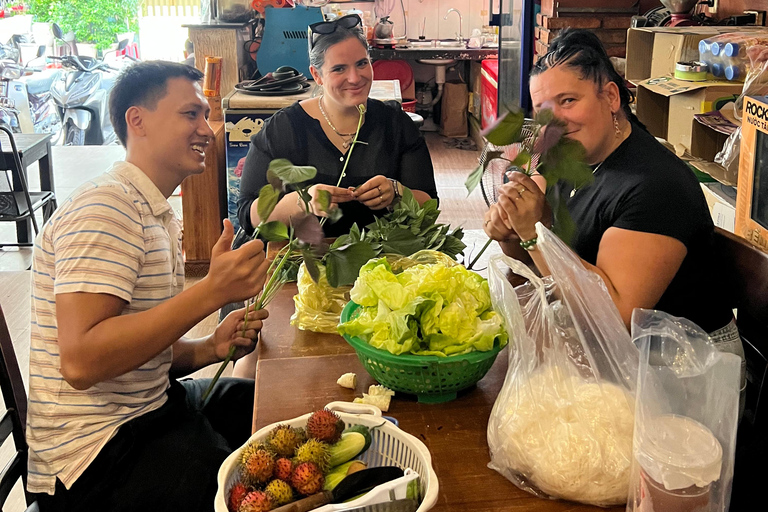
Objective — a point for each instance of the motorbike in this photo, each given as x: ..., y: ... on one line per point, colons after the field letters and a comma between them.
x: 26, y: 105
x: 81, y: 95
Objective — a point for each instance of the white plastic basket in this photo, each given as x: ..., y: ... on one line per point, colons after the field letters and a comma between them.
x: 390, y: 446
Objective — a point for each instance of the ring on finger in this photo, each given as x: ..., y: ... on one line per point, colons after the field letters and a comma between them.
x: 381, y: 199
x: 521, y: 190
x: 379, y: 189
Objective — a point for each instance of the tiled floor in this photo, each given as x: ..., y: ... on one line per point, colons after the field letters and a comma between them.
x: 75, y: 165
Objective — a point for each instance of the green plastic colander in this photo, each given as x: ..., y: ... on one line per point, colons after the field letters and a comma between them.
x: 432, y: 379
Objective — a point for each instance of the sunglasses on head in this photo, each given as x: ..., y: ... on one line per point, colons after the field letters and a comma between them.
x: 324, y: 28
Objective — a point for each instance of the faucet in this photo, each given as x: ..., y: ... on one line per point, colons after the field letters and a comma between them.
x: 458, y: 36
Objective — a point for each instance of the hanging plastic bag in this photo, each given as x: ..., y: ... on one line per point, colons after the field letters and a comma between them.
x: 686, y: 414
x: 562, y: 424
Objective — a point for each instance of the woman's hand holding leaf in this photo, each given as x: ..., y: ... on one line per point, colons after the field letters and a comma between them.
x: 326, y: 198
x: 523, y: 202
x: 376, y: 193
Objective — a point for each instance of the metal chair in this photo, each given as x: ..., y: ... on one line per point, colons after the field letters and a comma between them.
x: 14, y: 421
x: 17, y: 203
x: 746, y: 272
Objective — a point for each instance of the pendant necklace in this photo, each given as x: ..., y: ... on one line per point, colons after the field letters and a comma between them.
x: 573, y: 192
x: 347, y: 137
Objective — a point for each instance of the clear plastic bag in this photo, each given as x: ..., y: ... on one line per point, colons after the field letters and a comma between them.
x: 562, y: 424
x: 685, y: 417
x: 318, y: 305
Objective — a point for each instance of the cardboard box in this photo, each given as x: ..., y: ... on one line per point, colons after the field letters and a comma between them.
x: 666, y: 105
x: 654, y: 51
x: 752, y: 190
x: 721, y: 200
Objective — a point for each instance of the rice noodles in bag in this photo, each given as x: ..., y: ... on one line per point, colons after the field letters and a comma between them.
x: 562, y: 424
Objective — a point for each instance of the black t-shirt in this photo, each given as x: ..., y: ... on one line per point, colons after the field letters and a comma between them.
x: 394, y: 148
x: 644, y: 187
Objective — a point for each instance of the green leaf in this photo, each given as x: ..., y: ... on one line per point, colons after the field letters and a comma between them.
x: 453, y: 246
x: 506, y: 129
x: 311, y: 263
x: 544, y: 116
x: 335, y: 214
x: 402, y: 241
x: 408, y: 201
x: 323, y: 198
x: 274, y: 180
x: 565, y: 162
x: 523, y: 160
x: 342, y: 265
x: 268, y: 198
x: 473, y: 180
x: 273, y: 231
x: 289, y: 173
x: 563, y: 225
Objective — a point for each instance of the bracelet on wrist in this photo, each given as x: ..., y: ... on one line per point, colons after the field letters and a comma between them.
x: 395, y: 191
x: 529, y: 245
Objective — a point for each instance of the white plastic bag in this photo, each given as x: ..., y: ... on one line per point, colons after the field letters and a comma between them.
x: 562, y: 424
x: 686, y: 415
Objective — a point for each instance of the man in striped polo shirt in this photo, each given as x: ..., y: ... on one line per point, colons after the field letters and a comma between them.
x: 109, y: 427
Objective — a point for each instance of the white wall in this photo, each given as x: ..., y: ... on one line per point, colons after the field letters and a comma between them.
x: 474, y: 13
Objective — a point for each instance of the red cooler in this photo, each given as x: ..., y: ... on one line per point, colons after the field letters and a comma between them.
x: 489, y: 77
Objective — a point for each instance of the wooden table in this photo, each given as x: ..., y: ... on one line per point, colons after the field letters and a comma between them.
x: 32, y: 147
x: 297, y: 373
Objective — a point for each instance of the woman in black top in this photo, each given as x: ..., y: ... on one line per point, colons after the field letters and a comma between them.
x: 643, y: 224
x: 319, y: 131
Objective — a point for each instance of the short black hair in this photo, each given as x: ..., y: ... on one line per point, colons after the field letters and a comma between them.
x: 144, y: 84
x: 581, y: 50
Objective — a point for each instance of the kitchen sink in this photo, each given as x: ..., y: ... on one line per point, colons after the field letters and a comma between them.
x: 451, y: 43
x: 436, y: 43
x: 437, y: 62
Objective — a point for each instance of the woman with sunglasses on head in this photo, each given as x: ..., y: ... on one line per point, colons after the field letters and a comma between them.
x: 643, y: 224
x: 319, y: 132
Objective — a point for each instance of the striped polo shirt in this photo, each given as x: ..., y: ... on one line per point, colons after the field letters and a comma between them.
x: 117, y: 235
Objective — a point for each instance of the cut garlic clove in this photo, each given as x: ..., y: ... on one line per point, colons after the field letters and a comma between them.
x: 348, y: 380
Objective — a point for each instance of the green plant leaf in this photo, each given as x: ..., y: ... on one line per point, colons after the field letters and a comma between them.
x: 565, y: 162
x: 506, y: 129
x: 291, y: 174
x: 544, y: 116
x: 311, y: 263
x: 473, y: 180
x: 273, y: 180
x: 402, y: 241
x: 323, y: 198
x: 548, y: 136
x: 563, y: 225
x: 408, y: 202
x: 342, y: 265
x: 523, y: 161
x: 268, y: 198
x: 334, y: 215
x: 452, y: 246
x: 273, y: 231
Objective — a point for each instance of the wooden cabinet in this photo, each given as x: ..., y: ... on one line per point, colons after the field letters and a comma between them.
x: 203, y: 202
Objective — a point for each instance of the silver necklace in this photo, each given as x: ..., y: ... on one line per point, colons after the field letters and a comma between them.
x: 346, y: 136
x: 573, y: 192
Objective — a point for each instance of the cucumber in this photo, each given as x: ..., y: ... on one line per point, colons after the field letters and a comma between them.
x: 336, y: 475
x: 350, y: 445
x: 365, y: 431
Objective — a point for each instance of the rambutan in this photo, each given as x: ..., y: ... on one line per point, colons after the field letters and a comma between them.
x: 283, y: 469
x: 307, y: 478
x: 284, y: 440
x: 325, y: 425
x: 256, y: 501
x: 280, y: 492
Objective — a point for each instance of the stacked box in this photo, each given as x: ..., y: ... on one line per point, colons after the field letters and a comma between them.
x: 608, y: 19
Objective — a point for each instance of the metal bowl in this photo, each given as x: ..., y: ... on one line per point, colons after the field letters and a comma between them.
x: 679, y: 6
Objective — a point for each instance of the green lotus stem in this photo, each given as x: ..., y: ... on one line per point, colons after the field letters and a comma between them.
x: 274, y: 284
x: 472, y: 263
x: 361, y: 109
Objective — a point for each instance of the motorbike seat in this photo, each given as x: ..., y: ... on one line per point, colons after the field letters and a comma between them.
x: 41, y: 82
